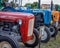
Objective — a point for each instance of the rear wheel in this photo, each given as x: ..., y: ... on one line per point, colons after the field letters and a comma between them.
x: 8, y: 42
x: 53, y: 31
x: 45, y: 34
x: 34, y: 41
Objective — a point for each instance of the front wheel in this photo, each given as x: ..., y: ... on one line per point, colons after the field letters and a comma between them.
x: 7, y: 42
x: 34, y: 42
x: 45, y: 34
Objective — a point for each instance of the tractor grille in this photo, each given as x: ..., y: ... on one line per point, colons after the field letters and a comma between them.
x: 30, y: 27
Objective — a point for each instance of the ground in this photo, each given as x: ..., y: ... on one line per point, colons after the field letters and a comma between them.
x: 51, y: 44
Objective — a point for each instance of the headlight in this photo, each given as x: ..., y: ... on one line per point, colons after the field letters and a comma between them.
x: 51, y: 22
x: 19, y: 22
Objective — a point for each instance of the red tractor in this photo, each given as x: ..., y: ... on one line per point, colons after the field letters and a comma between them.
x: 16, y: 27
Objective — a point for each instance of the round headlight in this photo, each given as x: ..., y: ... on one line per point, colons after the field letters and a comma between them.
x: 20, y: 22
x: 51, y: 22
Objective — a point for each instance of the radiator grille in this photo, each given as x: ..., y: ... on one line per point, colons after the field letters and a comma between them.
x: 30, y: 27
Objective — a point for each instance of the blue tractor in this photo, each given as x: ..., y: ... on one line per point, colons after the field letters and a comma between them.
x: 42, y: 20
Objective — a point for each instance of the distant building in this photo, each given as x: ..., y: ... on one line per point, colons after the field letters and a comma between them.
x: 45, y: 6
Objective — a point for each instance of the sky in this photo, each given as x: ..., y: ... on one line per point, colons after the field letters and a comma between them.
x: 42, y: 1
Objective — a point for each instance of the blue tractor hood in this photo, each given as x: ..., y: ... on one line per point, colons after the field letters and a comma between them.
x: 47, y: 13
x: 9, y: 8
x: 27, y: 10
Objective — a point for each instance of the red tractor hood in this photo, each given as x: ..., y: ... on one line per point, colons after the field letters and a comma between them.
x: 14, y: 16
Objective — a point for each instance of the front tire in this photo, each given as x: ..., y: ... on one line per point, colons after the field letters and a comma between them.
x: 8, y: 42
x: 45, y: 34
x: 35, y: 41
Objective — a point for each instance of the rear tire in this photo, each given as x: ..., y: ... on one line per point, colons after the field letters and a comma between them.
x: 36, y: 40
x: 11, y: 41
x: 53, y: 31
x: 56, y: 32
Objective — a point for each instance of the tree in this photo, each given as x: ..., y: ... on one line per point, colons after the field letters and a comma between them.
x: 4, y: 0
x: 28, y: 4
x: 12, y: 4
x: 33, y: 5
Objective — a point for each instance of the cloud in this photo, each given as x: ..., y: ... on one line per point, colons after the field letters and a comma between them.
x: 28, y: 1
x: 45, y: 1
x: 56, y: 2
x: 42, y: 1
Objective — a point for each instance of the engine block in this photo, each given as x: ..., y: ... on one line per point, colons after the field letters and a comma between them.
x: 8, y: 26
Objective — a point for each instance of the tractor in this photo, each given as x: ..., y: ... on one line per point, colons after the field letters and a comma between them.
x: 16, y: 27
x: 57, y: 8
x: 57, y: 18
x: 42, y: 20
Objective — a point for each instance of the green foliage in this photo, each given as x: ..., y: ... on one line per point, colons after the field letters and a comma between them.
x: 33, y: 5
x: 59, y: 7
x: 4, y: 0
x: 28, y: 4
x: 0, y: 4
x: 12, y: 4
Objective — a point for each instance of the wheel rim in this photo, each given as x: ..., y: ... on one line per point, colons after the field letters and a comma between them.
x: 43, y: 32
x: 5, y: 44
x: 32, y: 41
x: 52, y: 30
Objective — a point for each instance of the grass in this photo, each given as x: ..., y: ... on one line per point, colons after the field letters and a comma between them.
x: 52, y: 43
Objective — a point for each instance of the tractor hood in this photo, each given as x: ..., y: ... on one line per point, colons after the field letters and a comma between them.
x: 36, y: 10
x: 14, y: 16
x: 27, y: 10
x: 46, y: 12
